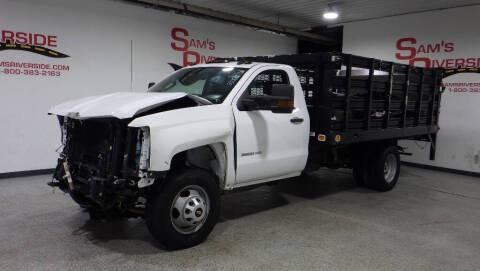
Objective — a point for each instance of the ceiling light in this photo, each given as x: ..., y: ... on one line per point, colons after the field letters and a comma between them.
x: 330, y: 15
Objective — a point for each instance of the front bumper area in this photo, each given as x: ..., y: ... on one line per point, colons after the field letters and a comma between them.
x: 104, y: 164
x: 100, y: 192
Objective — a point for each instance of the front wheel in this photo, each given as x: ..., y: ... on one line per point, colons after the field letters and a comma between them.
x: 185, y: 211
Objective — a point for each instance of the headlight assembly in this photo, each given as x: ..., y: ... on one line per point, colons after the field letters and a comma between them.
x: 144, y: 140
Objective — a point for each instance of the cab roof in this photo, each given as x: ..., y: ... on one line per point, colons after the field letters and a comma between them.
x: 235, y: 64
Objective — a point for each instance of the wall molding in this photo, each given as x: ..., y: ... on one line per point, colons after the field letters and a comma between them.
x: 26, y: 173
x: 444, y: 169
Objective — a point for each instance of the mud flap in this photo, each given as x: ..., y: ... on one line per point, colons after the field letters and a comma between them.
x: 433, y: 144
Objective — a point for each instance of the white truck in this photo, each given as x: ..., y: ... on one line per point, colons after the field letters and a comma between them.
x: 167, y: 154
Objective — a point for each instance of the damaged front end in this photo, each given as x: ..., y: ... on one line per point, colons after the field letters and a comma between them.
x: 103, y: 164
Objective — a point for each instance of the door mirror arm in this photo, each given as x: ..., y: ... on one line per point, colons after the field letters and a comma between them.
x: 248, y: 103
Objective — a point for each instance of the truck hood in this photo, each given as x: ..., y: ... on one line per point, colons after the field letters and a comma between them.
x: 120, y: 105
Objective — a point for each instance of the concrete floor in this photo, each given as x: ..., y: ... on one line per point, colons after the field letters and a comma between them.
x: 430, y: 221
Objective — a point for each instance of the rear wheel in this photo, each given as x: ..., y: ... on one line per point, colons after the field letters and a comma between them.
x: 384, y: 169
x: 185, y: 211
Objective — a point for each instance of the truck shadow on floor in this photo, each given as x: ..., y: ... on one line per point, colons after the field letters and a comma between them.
x: 320, y: 184
x: 110, y: 233
x: 264, y: 198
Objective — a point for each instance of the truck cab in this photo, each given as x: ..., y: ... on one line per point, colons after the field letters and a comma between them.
x: 262, y: 139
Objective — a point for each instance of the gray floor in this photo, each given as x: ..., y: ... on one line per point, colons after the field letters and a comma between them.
x: 430, y: 221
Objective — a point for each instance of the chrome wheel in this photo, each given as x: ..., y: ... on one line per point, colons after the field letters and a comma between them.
x: 189, y: 209
x: 390, y: 167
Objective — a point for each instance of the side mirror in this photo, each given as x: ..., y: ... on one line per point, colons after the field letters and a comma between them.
x: 283, y: 95
x: 279, y: 101
x: 151, y: 84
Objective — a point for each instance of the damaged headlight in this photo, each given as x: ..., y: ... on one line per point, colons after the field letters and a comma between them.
x: 143, y: 149
x: 143, y: 157
x: 63, y: 129
x: 64, y: 123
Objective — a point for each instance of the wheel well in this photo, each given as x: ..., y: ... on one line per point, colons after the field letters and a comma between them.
x: 209, y: 157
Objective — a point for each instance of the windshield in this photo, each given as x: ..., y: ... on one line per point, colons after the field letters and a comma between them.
x: 211, y: 83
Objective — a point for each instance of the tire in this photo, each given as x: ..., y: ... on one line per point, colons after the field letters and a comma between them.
x: 384, y: 169
x: 173, y: 221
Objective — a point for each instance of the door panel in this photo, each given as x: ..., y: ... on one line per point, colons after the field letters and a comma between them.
x: 271, y: 144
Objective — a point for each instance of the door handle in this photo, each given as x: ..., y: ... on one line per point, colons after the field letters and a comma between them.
x: 296, y: 120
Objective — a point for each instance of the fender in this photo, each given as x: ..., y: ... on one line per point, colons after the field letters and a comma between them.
x: 175, y: 131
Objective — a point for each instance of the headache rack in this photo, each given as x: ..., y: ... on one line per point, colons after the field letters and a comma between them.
x: 354, y: 99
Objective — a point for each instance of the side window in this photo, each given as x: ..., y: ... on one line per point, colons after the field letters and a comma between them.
x: 262, y: 84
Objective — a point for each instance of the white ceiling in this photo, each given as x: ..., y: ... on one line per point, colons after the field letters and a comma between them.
x: 302, y: 14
